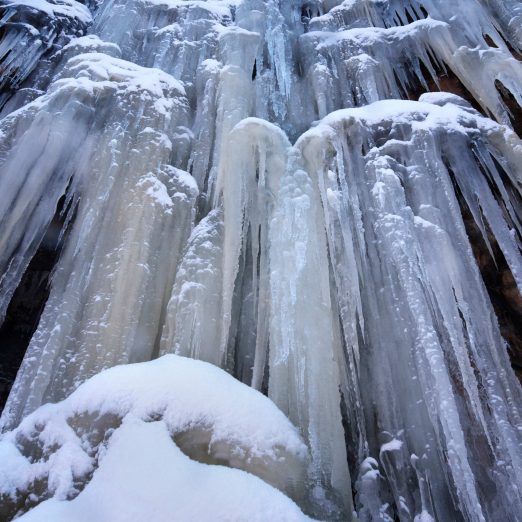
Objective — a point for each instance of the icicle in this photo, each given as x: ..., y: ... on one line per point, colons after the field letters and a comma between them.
x: 406, y: 184
x: 192, y: 325
x: 304, y: 374
x: 29, y: 30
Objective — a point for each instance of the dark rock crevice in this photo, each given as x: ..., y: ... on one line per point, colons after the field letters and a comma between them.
x: 500, y: 285
x: 27, y: 304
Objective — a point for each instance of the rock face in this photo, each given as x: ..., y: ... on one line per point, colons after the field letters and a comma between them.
x: 321, y: 197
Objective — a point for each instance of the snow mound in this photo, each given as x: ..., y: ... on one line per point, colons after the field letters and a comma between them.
x: 112, y: 441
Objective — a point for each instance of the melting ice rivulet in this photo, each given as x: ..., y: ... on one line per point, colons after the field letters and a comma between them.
x: 248, y: 183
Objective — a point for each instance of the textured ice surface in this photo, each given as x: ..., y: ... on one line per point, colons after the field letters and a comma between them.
x: 244, y: 182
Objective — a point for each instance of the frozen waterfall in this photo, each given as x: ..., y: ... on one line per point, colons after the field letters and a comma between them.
x: 304, y: 193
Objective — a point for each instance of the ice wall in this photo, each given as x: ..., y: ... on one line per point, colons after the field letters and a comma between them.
x: 248, y: 183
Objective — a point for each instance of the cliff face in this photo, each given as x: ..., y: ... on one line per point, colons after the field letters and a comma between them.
x: 322, y: 198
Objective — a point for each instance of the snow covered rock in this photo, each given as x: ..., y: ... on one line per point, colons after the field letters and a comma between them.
x: 155, y: 440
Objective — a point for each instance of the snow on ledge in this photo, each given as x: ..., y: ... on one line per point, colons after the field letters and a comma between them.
x: 433, y: 111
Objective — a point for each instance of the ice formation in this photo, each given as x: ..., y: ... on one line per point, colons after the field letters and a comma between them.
x: 249, y: 183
